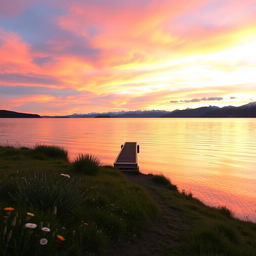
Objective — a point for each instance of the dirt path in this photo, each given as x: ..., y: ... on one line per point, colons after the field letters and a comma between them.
x: 163, y: 234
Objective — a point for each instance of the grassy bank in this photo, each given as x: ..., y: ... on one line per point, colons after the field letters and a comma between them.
x: 50, y: 206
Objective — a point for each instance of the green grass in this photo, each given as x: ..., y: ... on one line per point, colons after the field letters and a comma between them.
x: 217, y: 238
x: 46, y: 191
x: 91, y: 212
x: 102, y: 210
x: 206, y: 231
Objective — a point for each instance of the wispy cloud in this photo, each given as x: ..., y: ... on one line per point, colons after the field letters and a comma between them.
x: 28, y: 90
x: 28, y: 79
x: 197, y: 100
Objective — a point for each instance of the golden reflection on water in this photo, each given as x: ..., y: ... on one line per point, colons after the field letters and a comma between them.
x: 212, y: 158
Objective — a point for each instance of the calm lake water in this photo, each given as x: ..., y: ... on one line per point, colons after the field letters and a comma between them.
x: 215, y: 159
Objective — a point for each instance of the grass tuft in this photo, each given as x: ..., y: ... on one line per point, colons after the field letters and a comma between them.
x: 86, y: 164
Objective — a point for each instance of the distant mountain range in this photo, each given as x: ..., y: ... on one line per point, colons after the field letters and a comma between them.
x: 248, y: 110
x: 12, y: 114
x: 128, y: 114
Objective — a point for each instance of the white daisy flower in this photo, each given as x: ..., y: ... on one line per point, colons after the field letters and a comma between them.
x: 45, y: 229
x: 30, y: 225
x: 43, y: 241
x: 65, y: 175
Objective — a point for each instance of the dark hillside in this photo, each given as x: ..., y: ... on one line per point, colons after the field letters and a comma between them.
x: 248, y: 110
x: 243, y: 111
x: 197, y: 112
x: 12, y: 114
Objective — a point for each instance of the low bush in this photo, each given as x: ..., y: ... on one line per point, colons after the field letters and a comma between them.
x: 13, y: 153
x: 86, y: 164
x: 51, y: 151
x: 225, y: 211
x: 188, y: 194
x: 163, y: 181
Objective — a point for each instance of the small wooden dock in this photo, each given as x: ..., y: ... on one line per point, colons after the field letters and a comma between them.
x: 127, y: 158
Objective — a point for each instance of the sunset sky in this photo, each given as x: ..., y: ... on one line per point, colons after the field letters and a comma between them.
x: 81, y: 56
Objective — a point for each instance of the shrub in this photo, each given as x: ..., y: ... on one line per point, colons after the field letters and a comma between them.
x: 188, y: 195
x: 225, y: 211
x: 86, y: 164
x: 11, y: 152
x: 51, y: 151
x: 163, y: 181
